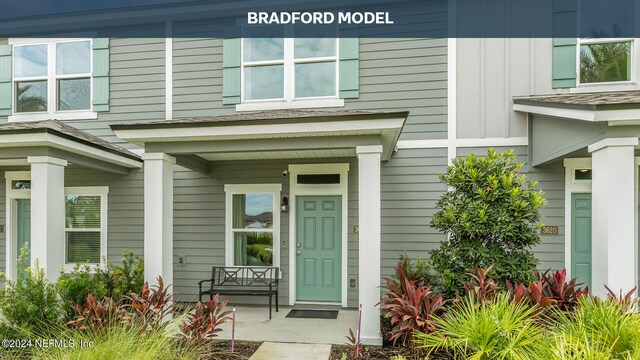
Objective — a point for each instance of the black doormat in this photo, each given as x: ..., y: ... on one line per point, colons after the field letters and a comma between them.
x: 313, y: 314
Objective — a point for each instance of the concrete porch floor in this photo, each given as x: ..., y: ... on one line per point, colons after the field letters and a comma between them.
x: 253, y: 324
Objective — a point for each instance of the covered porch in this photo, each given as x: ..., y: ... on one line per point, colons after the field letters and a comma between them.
x: 595, y: 136
x: 318, y: 147
x: 34, y: 157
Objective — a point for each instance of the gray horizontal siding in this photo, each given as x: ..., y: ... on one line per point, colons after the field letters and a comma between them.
x: 395, y: 75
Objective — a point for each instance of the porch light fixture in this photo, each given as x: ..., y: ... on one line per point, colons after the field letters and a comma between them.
x: 284, y: 205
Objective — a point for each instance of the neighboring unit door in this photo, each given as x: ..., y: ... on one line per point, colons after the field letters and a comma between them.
x: 318, y: 248
x: 23, y: 229
x: 581, y: 237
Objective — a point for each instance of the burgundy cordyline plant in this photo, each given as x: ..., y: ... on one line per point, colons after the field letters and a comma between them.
x: 410, y: 305
x: 203, y: 323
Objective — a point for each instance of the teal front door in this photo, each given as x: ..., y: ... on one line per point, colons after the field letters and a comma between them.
x: 23, y: 229
x: 318, y: 248
x: 581, y: 237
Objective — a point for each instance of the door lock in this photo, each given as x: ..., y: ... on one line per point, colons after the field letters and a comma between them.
x: 298, y: 252
x: 298, y: 244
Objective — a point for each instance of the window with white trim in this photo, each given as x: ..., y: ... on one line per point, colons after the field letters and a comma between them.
x: 289, y: 69
x: 605, y: 60
x: 52, y: 76
x: 253, y: 225
x: 85, y: 225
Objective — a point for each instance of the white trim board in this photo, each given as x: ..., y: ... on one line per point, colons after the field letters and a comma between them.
x: 462, y: 143
x: 342, y: 190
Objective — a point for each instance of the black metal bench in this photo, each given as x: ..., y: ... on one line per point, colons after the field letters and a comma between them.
x: 253, y: 281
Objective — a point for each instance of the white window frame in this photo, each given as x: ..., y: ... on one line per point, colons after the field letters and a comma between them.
x: 235, y: 189
x: 632, y: 57
x: 289, y: 101
x: 103, y: 192
x: 52, y: 84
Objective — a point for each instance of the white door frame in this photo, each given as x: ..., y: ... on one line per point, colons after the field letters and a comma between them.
x: 573, y: 186
x: 295, y: 190
x: 11, y: 233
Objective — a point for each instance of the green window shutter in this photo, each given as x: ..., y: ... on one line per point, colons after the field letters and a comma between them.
x: 5, y: 80
x: 349, y: 54
x: 564, y: 49
x: 231, y: 65
x: 564, y: 63
x: 100, y: 74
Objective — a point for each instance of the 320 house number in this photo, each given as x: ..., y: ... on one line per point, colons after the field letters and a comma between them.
x: 549, y: 230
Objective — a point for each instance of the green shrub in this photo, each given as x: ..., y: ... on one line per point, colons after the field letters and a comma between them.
x: 603, y: 328
x: 501, y: 329
x: 74, y: 287
x: 29, y: 302
x: 418, y: 269
x: 122, y: 280
x: 490, y: 216
x: 131, y: 341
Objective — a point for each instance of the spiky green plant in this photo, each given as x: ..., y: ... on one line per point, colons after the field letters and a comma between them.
x: 501, y: 329
x: 604, y: 328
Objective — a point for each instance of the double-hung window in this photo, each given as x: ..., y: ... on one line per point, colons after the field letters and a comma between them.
x: 85, y: 225
x: 52, y: 77
x: 253, y: 225
x: 605, y: 60
x: 289, y: 69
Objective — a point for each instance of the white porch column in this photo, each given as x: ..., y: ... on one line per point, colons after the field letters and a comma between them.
x: 158, y: 217
x: 614, y: 252
x: 47, y: 213
x: 369, y: 241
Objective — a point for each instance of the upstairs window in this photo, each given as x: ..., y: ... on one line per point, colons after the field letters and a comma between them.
x: 52, y: 77
x: 288, y: 69
x: 605, y: 60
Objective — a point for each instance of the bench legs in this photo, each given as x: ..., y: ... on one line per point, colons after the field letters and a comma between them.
x: 269, y: 306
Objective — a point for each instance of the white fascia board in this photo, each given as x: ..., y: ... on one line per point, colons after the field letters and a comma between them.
x: 259, y: 131
x: 27, y: 140
x: 579, y: 114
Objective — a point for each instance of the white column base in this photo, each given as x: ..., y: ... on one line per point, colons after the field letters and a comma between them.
x: 158, y: 217
x: 47, y: 214
x: 369, y: 242
x: 614, y: 251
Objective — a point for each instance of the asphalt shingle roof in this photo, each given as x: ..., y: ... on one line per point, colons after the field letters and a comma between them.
x: 583, y: 100
x: 61, y: 129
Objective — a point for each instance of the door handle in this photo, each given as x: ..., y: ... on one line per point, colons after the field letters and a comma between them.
x: 298, y: 252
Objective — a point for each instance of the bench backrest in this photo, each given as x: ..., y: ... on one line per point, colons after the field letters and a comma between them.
x: 244, y: 276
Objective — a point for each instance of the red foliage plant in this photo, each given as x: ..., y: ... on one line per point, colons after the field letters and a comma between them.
x: 532, y: 294
x: 96, y: 314
x: 409, y: 305
x: 627, y: 301
x: 203, y: 323
x: 153, y: 305
x: 481, y: 287
x: 356, y: 345
x: 565, y: 293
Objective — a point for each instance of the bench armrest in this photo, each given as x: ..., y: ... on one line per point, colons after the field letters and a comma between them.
x: 204, y: 281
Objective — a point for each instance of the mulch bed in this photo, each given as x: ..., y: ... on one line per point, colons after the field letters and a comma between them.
x: 384, y: 352
x: 243, y: 350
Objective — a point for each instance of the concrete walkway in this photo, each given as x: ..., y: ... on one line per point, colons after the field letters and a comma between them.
x: 253, y: 324
x: 287, y: 351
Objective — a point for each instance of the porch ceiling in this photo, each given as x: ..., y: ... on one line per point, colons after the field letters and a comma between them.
x: 53, y: 138
x: 269, y: 134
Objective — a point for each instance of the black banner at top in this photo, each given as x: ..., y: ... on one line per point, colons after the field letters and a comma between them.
x: 298, y: 18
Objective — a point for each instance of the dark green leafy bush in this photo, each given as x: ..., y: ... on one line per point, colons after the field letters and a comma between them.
x: 418, y: 269
x: 30, y: 302
x: 122, y: 280
x: 74, y: 287
x: 491, y: 216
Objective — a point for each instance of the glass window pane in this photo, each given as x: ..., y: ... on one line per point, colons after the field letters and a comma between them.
x: 253, y: 248
x: 307, y: 48
x: 82, y: 212
x: 83, y: 247
x: 605, y: 62
x: 73, y: 58
x: 264, y: 82
x: 316, y: 79
x: 30, y: 61
x: 252, y: 211
x: 31, y: 96
x: 263, y: 49
x: 21, y: 184
x: 74, y: 94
